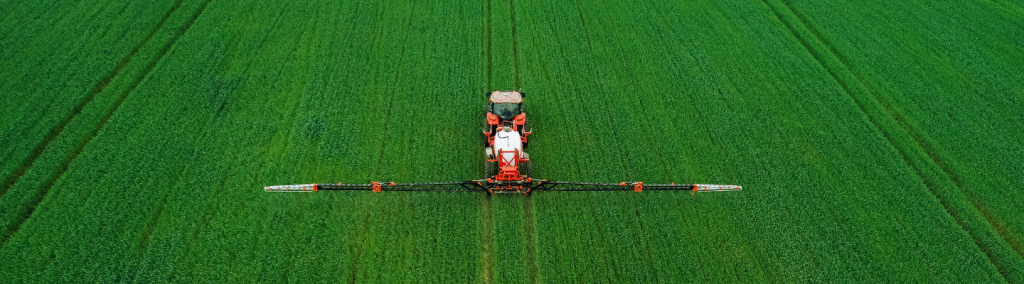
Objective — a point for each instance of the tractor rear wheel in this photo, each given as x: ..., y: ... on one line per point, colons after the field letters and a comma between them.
x: 487, y: 169
x: 487, y: 128
x: 526, y: 128
x: 526, y: 168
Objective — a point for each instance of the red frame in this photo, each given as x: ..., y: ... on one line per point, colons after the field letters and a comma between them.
x: 493, y: 121
x: 508, y: 170
x: 508, y: 178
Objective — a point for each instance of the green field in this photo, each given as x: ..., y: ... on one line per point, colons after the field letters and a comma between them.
x: 877, y: 141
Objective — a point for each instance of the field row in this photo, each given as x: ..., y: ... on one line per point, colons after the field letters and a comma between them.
x: 169, y: 188
x: 955, y: 117
x: 744, y: 101
x: 875, y: 140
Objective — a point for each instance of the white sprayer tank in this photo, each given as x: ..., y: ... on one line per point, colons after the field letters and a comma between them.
x: 507, y: 141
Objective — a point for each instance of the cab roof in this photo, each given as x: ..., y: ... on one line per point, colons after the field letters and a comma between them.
x: 506, y: 97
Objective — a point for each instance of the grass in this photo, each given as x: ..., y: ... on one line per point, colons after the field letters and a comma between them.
x: 875, y: 145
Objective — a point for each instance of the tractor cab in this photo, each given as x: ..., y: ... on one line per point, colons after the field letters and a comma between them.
x: 506, y: 105
x: 505, y: 109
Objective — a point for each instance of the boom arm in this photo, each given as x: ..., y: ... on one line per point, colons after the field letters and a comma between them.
x: 485, y: 185
x: 470, y: 185
x: 635, y: 186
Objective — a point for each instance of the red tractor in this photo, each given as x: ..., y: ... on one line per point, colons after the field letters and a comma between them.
x: 506, y: 131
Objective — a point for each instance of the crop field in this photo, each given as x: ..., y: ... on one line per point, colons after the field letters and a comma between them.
x: 877, y: 141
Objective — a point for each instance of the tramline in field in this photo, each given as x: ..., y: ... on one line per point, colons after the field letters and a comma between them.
x: 508, y: 168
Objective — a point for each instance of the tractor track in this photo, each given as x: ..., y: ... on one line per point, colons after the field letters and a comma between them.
x: 47, y: 184
x: 934, y: 164
x: 147, y: 234
x: 487, y: 241
x: 529, y: 224
x: 77, y: 109
x: 529, y: 227
x: 488, y: 31
x: 486, y: 207
x: 394, y: 89
x: 583, y: 22
x: 354, y: 267
x: 602, y: 241
x: 485, y: 69
x: 1010, y: 6
x: 35, y: 18
x: 210, y: 211
x: 53, y: 21
x: 486, y: 210
x: 515, y: 43
x: 597, y: 73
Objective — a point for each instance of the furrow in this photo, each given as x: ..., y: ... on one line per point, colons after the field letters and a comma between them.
x: 583, y: 22
x: 77, y: 109
x: 210, y: 210
x: 486, y: 209
x: 908, y: 143
x: 487, y: 261
x: 886, y: 104
x: 394, y: 90
x: 515, y: 43
x: 919, y: 140
x: 151, y: 227
x: 359, y: 251
x: 531, y: 240
x: 602, y: 240
x: 490, y: 55
x: 48, y: 183
x: 485, y: 55
x: 529, y: 224
x: 387, y: 121
x: 1011, y: 6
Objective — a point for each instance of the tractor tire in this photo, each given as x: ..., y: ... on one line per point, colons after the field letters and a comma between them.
x: 526, y: 128
x: 488, y: 169
x: 526, y: 169
x: 487, y: 127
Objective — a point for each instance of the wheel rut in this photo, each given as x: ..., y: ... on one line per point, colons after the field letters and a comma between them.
x: 528, y: 221
x: 77, y: 109
x: 150, y: 227
x: 529, y: 227
x: 937, y: 177
x: 489, y: 35
x: 394, y: 90
x: 49, y: 181
x: 487, y: 241
x: 487, y: 237
x: 515, y: 43
x: 486, y: 206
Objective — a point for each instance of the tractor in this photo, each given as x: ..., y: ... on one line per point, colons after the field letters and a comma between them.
x: 506, y: 131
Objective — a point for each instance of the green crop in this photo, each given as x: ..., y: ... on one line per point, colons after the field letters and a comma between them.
x: 876, y: 141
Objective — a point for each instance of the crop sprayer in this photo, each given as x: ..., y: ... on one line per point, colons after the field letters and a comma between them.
x: 507, y: 168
